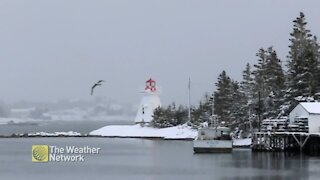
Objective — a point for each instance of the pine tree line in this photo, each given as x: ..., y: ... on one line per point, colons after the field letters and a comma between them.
x: 280, y: 91
x: 303, y: 77
x: 169, y: 116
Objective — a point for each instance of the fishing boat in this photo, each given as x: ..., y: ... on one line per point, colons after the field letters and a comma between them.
x: 213, y: 140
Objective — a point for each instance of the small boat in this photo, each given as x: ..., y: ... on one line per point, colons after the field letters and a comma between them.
x: 213, y: 139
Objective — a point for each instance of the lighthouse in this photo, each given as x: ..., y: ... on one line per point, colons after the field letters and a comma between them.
x: 149, y: 102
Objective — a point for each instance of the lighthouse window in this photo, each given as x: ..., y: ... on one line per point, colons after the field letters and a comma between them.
x: 143, y: 110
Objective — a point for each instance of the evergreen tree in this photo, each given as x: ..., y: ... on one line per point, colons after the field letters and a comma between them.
x: 159, y: 118
x: 269, y: 81
x: 239, y: 106
x: 181, y: 114
x: 203, y: 112
x: 316, y: 50
x: 170, y: 116
x: 247, y: 98
x: 247, y: 84
x: 223, y: 97
x: 260, y: 76
x: 303, y: 64
x: 275, y: 87
x: 230, y: 102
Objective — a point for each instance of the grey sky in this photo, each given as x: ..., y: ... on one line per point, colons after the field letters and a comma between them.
x: 57, y: 49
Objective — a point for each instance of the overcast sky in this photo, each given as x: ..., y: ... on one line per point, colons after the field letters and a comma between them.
x: 50, y: 50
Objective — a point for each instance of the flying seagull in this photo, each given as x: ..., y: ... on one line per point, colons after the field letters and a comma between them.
x: 99, y: 83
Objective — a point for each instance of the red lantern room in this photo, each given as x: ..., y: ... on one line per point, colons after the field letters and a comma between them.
x: 151, y: 85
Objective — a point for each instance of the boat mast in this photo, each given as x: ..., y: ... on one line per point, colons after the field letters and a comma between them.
x: 189, y: 107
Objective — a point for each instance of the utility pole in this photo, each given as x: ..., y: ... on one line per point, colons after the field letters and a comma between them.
x: 214, y: 120
x: 189, y: 94
x: 212, y: 104
x: 259, y: 110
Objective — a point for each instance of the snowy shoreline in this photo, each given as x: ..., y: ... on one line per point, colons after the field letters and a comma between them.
x: 181, y: 132
x: 137, y: 131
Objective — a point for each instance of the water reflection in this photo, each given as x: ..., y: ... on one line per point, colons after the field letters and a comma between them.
x: 137, y: 159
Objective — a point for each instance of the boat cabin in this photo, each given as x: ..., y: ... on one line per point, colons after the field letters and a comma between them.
x: 219, y: 133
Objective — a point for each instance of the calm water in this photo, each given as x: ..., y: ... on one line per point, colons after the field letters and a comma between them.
x: 138, y: 159
x: 83, y: 127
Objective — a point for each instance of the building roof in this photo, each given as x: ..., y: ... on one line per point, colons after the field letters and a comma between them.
x: 311, y: 107
x: 150, y: 81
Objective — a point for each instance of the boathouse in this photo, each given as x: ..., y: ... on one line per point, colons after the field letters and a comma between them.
x: 306, y: 115
x: 302, y: 134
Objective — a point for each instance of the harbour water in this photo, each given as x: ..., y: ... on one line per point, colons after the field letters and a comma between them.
x: 141, y: 159
x: 83, y: 127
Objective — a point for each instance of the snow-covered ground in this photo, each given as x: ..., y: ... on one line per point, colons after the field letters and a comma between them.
x: 69, y: 133
x: 177, y: 132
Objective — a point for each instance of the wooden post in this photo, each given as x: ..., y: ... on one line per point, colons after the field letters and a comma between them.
x: 259, y: 110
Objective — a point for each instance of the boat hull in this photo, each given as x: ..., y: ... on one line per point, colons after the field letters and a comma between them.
x: 212, y: 146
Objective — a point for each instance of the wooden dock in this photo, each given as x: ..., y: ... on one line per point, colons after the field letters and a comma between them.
x: 287, y: 142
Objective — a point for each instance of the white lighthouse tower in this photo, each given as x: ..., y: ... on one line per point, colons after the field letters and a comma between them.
x: 150, y: 101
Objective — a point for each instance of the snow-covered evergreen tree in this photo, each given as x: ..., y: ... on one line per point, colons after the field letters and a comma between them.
x: 181, y: 114
x: 303, y: 64
x: 246, y: 104
x: 260, y: 76
x: 170, y: 116
x: 203, y: 112
x: 239, y: 107
x: 235, y: 103
x: 316, y: 50
x: 269, y: 80
x: 223, y: 97
x: 247, y: 84
x: 230, y: 102
x: 275, y: 80
x: 159, y: 118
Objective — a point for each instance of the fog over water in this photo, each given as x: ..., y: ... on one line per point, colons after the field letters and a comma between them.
x: 52, y: 50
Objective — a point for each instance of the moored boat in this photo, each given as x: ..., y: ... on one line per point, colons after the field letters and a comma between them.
x: 213, y: 139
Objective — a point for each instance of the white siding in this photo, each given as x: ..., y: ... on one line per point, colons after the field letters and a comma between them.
x: 313, y: 119
x: 150, y: 101
x: 314, y: 123
x: 298, y: 111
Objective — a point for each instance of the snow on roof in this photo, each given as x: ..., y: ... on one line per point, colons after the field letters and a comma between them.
x: 301, y: 117
x: 311, y: 107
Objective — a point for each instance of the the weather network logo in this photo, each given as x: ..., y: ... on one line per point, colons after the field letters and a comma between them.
x: 40, y: 153
x: 47, y: 153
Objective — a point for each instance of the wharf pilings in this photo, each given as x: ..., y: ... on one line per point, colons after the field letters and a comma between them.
x: 308, y: 143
